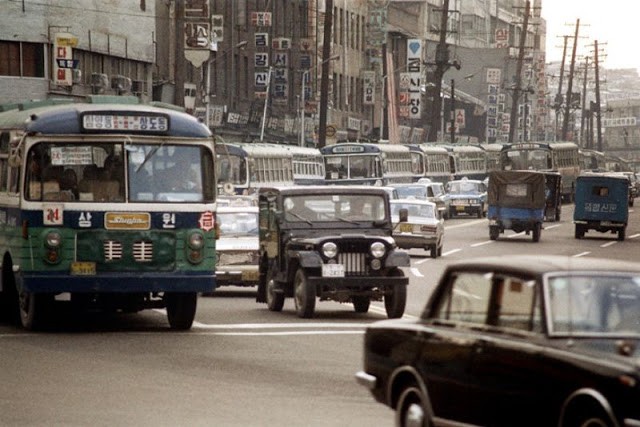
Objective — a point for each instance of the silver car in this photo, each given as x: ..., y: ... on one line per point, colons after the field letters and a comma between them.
x: 237, y: 249
x: 421, y: 228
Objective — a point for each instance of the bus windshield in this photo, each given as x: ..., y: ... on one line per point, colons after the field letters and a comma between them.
x: 528, y: 160
x: 361, y: 166
x: 85, y: 172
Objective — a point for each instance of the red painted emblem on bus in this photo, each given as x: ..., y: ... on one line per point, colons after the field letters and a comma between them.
x: 207, y: 221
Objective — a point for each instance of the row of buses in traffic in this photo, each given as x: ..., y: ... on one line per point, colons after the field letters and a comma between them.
x: 243, y: 167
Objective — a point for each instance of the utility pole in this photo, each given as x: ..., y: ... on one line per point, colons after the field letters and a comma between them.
x: 598, y: 110
x: 517, y: 89
x: 180, y: 61
x: 442, y: 64
x: 568, y: 100
x: 453, y: 111
x: 584, y: 101
x: 324, y: 84
x: 558, y: 101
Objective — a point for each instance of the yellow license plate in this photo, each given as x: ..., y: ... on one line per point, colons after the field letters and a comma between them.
x: 460, y: 208
x: 83, y: 268
x: 250, y: 276
x: 406, y: 228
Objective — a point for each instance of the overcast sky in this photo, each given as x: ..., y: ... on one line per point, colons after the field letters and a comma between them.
x: 615, y: 24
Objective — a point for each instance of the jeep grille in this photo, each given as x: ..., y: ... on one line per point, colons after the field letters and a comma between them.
x: 353, y: 255
x: 354, y: 263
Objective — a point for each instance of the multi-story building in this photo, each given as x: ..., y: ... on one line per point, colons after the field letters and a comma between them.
x: 74, y: 48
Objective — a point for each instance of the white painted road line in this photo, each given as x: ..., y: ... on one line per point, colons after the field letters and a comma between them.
x: 581, y: 254
x: 605, y: 245
x: 416, y: 272
x: 475, y: 245
x: 453, y: 251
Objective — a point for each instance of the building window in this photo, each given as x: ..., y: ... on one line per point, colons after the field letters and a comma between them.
x: 21, y: 59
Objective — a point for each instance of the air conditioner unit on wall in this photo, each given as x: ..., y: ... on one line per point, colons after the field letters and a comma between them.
x: 137, y: 87
x: 121, y: 84
x: 99, y: 82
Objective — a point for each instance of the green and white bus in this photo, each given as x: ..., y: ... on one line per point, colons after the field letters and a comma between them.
x: 108, y: 205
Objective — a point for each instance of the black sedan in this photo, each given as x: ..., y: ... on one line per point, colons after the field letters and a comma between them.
x: 518, y: 341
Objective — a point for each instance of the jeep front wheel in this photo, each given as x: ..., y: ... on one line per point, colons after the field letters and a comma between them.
x: 274, y: 297
x: 304, y: 295
x: 395, y: 299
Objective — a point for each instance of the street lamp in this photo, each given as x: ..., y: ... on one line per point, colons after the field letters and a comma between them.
x: 302, y: 105
x: 210, y: 62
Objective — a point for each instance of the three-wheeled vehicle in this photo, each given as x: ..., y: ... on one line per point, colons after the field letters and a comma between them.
x: 601, y: 204
x: 552, y: 196
x: 516, y: 202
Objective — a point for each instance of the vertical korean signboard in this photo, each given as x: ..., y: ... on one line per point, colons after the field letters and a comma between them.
x: 63, y: 63
x: 414, y: 69
x: 197, y: 30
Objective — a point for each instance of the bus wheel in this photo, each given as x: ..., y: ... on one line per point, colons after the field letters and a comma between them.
x: 34, y: 310
x: 181, y: 309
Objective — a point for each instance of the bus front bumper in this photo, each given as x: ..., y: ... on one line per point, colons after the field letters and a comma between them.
x: 119, y: 282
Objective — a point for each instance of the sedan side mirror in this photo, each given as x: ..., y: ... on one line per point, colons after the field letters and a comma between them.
x: 403, y: 215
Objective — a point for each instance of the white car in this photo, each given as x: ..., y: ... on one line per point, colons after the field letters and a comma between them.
x: 422, y: 228
x: 430, y: 191
x: 237, y: 249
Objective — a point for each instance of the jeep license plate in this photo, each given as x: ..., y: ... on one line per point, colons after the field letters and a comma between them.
x: 332, y: 270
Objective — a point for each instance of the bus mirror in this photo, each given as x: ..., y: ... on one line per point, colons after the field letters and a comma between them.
x: 15, y: 160
x: 15, y: 153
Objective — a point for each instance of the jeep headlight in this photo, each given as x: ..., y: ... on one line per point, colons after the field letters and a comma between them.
x: 330, y: 250
x: 377, y: 250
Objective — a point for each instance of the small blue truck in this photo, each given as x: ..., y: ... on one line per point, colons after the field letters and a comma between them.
x: 601, y: 204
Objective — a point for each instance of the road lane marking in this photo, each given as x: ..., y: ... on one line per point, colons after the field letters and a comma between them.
x: 416, y: 272
x: 466, y: 224
x: 511, y: 236
x: 422, y: 261
x: 278, y: 325
x: 581, y: 254
x: 633, y: 236
x: 288, y: 333
x: 606, y: 245
x: 475, y: 245
x: 551, y: 226
x: 452, y: 251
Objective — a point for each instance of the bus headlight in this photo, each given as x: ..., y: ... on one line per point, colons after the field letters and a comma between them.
x: 377, y: 250
x: 195, y: 246
x: 196, y: 241
x: 52, y: 241
x: 330, y: 250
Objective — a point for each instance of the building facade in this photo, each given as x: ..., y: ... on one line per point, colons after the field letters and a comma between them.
x: 253, y: 69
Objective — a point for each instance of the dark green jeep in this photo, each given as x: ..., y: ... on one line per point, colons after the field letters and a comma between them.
x: 329, y: 243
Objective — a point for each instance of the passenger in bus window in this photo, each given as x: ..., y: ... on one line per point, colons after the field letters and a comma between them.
x: 69, y: 182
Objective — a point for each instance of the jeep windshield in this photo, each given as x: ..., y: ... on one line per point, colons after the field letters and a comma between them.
x: 334, y: 207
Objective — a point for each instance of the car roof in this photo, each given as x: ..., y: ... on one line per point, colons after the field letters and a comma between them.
x: 237, y: 209
x: 411, y: 201
x: 542, y: 264
x: 326, y: 189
